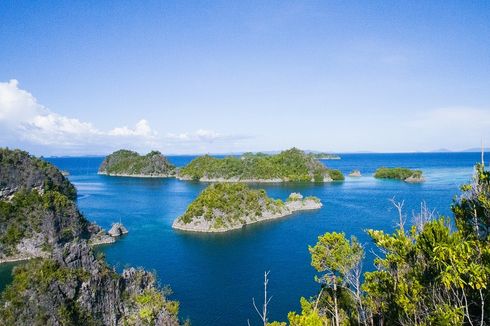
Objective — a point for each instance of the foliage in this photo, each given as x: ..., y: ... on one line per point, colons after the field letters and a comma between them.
x: 39, y: 275
x: 148, y: 305
x: 289, y: 165
x: 230, y: 202
x: 131, y: 163
x: 309, y: 316
x: 472, y: 210
x: 21, y: 171
x: 428, y: 275
x: 397, y: 173
x: 29, y: 212
x: 325, y: 156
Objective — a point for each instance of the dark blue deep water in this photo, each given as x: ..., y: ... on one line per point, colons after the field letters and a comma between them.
x: 215, y: 276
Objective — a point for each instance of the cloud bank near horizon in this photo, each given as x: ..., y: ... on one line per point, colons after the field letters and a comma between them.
x: 27, y: 124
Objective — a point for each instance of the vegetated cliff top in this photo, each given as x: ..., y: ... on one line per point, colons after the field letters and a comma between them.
x: 289, y: 165
x: 66, y: 284
x: 400, y: 174
x: 129, y: 163
x: 21, y: 171
x: 74, y: 287
x: 226, y: 206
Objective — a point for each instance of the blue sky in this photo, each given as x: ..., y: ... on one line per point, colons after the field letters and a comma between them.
x: 225, y: 76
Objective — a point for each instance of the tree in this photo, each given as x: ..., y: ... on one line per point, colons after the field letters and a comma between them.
x: 338, y: 259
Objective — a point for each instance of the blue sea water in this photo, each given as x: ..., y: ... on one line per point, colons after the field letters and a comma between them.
x: 215, y: 276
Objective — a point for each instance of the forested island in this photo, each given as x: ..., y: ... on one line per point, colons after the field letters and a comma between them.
x: 433, y: 272
x: 407, y: 175
x: 223, y: 207
x: 64, y: 283
x: 292, y: 165
x: 130, y: 164
x: 325, y: 156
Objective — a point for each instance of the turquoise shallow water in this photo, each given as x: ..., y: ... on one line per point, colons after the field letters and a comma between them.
x: 215, y: 276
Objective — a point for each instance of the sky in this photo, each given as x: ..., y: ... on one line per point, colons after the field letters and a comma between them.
x: 184, y: 77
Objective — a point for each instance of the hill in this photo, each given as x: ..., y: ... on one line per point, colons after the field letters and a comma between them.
x: 223, y: 207
x: 287, y: 166
x: 128, y: 163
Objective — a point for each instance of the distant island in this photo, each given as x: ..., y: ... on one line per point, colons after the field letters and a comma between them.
x: 288, y: 166
x: 223, y: 207
x: 325, y: 156
x: 125, y: 163
x: 407, y: 175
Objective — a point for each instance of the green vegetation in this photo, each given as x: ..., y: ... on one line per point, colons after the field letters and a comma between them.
x: 325, y: 156
x: 124, y: 162
x: 230, y: 202
x: 148, y: 305
x: 28, y: 212
x: 69, y: 285
x: 21, y: 171
x: 397, y: 173
x: 39, y: 275
x: 429, y: 274
x: 289, y: 165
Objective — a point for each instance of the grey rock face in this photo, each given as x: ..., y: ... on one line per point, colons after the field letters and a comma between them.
x: 21, y: 171
x: 66, y: 284
x: 117, y: 230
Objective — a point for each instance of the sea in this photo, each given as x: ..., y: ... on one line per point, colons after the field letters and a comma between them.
x: 215, y: 276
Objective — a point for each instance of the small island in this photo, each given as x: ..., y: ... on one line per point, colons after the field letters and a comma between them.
x: 223, y: 207
x: 325, y: 156
x: 407, y: 175
x: 125, y: 163
x: 355, y: 173
x: 292, y: 165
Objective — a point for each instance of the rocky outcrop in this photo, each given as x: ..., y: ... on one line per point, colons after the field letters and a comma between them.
x: 66, y: 284
x: 355, y: 173
x: 21, y: 171
x: 73, y: 287
x: 124, y: 163
x: 32, y: 223
x: 209, y: 212
x: 415, y: 179
x: 117, y: 230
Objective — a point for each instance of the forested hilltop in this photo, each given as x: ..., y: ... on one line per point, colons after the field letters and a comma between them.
x: 223, y: 207
x: 20, y: 171
x: 65, y: 283
x: 407, y: 175
x: 428, y: 273
x: 128, y: 163
x: 289, y: 165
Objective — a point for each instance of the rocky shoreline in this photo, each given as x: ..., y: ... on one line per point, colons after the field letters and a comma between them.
x: 200, y: 224
x: 235, y: 179
x: 136, y: 175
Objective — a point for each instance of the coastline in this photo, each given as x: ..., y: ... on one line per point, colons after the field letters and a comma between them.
x: 136, y: 175
x: 290, y: 209
x: 20, y: 257
x: 278, y: 180
x: 16, y: 259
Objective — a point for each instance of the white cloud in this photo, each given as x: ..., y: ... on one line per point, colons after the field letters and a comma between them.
x: 23, y: 118
x: 142, y: 128
x: 27, y: 124
x: 203, y: 136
